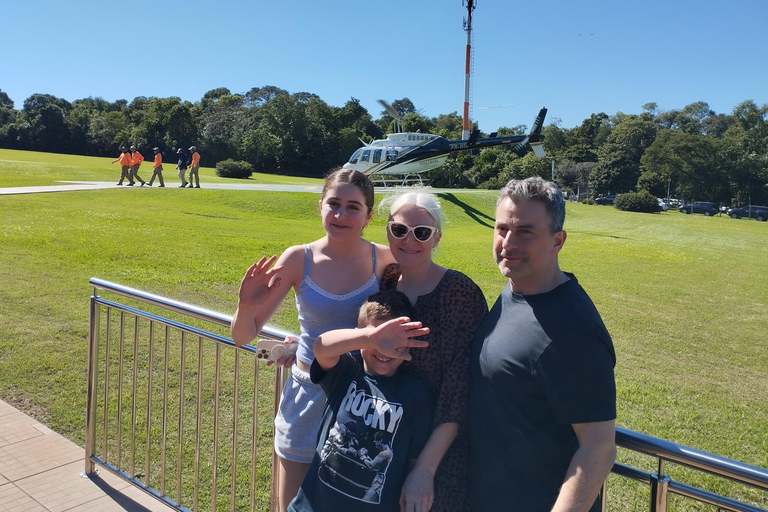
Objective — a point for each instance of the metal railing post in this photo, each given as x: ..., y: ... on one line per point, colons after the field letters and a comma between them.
x: 90, y: 413
x: 659, y: 489
x: 280, y: 378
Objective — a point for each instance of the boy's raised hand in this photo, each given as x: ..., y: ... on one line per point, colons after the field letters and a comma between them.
x: 255, y: 287
x: 393, y: 338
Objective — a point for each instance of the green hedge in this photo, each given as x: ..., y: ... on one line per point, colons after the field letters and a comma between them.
x: 642, y: 201
x: 234, y: 169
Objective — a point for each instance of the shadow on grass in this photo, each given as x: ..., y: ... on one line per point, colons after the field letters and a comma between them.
x: 474, y: 213
x: 602, y: 235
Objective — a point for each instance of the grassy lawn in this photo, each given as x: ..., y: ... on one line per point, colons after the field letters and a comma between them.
x: 684, y: 296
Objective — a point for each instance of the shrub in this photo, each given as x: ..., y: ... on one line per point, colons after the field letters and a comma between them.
x: 234, y: 169
x: 641, y: 201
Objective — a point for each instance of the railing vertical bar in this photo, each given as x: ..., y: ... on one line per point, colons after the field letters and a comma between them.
x: 279, y: 382
x: 215, y: 426
x: 133, y: 397
x: 254, y: 431
x: 181, y: 419
x: 236, y: 384
x: 165, y: 414
x: 150, y: 357
x: 93, y: 356
x: 660, y: 489
x: 118, y: 444
x: 198, y: 425
x: 105, y: 446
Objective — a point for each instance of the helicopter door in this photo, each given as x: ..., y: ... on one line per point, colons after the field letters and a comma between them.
x: 391, y: 155
x: 376, y: 156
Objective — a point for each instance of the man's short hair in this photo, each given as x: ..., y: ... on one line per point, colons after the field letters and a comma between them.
x: 384, y: 305
x: 537, y: 189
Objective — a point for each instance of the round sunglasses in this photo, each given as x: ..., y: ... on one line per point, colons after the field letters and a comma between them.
x: 420, y: 233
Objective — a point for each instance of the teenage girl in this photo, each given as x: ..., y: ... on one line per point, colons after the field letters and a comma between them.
x: 331, y: 278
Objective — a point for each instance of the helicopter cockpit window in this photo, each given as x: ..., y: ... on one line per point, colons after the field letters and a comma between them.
x: 366, y: 155
x: 353, y: 158
x: 391, y: 155
x: 376, y: 156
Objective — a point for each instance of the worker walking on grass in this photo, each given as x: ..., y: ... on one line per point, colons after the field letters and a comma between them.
x: 157, y: 168
x: 125, y: 166
x: 136, y: 160
x: 194, y: 167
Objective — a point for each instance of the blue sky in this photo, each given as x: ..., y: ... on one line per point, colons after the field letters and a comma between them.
x: 575, y: 58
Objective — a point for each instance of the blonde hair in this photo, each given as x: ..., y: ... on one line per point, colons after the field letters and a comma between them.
x: 419, y: 197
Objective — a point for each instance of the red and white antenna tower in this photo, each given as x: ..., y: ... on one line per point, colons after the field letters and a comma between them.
x: 470, y: 4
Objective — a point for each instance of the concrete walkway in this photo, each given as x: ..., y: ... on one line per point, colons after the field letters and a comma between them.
x: 41, y: 471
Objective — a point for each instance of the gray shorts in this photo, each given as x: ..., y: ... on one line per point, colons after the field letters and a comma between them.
x: 298, y: 418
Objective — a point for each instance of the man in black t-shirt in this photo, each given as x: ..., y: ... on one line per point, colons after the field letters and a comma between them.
x: 542, y: 389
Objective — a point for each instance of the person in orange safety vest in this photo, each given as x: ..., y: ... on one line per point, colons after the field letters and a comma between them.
x: 136, y: 160
x: 157, y: 168
x: 125, y: 166
x: 194, y: 167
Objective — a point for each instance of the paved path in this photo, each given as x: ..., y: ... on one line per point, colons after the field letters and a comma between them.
x: 40, y: 471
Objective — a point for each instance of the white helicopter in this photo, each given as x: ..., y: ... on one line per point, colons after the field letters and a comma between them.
x: 410, y: 154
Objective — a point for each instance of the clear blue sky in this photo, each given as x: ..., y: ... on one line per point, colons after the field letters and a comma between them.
x: 575, y: 58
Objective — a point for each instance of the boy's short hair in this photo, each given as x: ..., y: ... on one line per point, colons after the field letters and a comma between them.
x: 384, y: 305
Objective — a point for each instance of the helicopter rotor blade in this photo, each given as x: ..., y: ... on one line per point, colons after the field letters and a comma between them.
x: 389, y: 109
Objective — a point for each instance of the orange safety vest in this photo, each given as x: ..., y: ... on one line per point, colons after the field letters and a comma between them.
x: 158, y: 161
x: 195, y: 159
x: 125, y: 159
x: 136, y: 159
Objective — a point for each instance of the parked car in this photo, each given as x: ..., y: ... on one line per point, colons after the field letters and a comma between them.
x: 601, y: 199
x: 704, y: 207
x: 749, y: 212
x: 662, y: 205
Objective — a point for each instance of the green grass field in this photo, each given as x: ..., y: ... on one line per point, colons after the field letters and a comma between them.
x: 684, y: 296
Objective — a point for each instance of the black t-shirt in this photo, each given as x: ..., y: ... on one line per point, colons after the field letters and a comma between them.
x: 372, y: 427
x: 539, y: 364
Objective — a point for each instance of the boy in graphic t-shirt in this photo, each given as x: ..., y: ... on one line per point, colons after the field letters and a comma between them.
x: 376, y: 419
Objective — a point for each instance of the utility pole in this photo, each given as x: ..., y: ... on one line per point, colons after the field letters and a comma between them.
x: 470, y: 4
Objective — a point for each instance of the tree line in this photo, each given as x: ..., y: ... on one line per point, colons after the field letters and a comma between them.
x: 693, y: 153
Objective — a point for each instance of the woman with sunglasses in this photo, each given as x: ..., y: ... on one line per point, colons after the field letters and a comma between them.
x: 452, y: 306
x: 331, y: 277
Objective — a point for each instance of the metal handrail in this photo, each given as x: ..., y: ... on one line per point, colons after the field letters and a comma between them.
x: 213, y: 317
x: 661, y: 484
x: 693, y: 458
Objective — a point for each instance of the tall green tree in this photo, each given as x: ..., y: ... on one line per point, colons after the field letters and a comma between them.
x: 689, y: 165
x: 745, y: 146
x: 618, y: 164
x: 41, y: 124
x: 584, y: 140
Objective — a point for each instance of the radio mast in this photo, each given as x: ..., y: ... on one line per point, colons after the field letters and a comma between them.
x: 466, y: 124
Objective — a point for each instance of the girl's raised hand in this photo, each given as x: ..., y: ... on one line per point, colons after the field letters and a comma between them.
x: 260, y: 281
